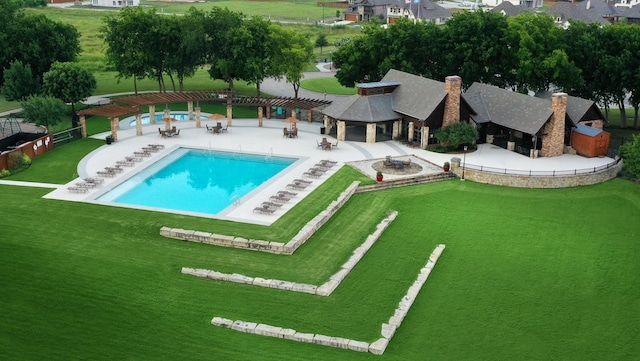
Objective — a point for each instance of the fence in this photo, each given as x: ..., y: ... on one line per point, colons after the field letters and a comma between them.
x: 535, y: 173
x: 67, y: 136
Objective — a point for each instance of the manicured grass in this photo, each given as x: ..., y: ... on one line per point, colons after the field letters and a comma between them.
x: 328, y: 85
x: 527, y: 274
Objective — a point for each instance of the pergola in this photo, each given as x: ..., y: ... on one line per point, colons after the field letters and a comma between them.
x: 130, y: 104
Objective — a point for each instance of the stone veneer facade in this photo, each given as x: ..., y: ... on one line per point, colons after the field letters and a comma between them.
x: 553, y: 138
x: 453, y: 87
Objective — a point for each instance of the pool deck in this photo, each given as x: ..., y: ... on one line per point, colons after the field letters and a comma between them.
x: 246, y: 137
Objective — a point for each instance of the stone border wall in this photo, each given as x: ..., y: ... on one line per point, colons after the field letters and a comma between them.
x: 538, y: 181
x: 325, y: 289
x: 259, y: 245
x: 378, y: 347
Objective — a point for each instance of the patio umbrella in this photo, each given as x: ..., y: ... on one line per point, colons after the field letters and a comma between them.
x: 291, y: 120
x: 167, y: 121
x: 216, y: 116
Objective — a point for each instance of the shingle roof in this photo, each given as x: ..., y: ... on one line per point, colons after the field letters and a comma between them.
x: 630, y: 13
x: 509, y: 9
x: 577, y: 108
x: 595, y: 14
x: 507, y: 108
x: 416, y: 96
x: 372, y: 108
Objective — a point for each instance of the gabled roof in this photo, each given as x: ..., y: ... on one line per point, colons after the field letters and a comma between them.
x: 509, y: 9
x: 507, y: 108
x: 416, y: 96
x: 595, y: 14
x: 630, y: 13
x: 577, y: 108
x: 372, y: 108
x: 422, y: 9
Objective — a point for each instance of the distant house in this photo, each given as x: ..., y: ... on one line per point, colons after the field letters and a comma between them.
x: 632, y: 14
x: 508, y: 9
x: 530, y: 4
x: 390, y: 10
x: 412, y: 109
x: 596, y: 11
x: 115, y: 3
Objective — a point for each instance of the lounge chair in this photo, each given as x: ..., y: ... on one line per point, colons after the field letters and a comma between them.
x: 106, y: 173
x: 288, y: 194
x: 94, y: 180
x: 142, y: 154
x: 271, y: 205
x: 302, y: 181
x: 156, y: 146
x: 126, y: 163
x: 318, y: 170
x: 76, y: 189
x: 116, y: 169
x: 134, y: 158
x: 322, y: 167
x: 264, y: 209
x: 325, y: 164
x: 280, y: 198
x: 312, y: 174
x: 297, y: 186
x: 150, y: 149
x: 329, y: 161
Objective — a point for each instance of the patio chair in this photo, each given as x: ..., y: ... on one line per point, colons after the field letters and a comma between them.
x: 176, y: 133
x: 285, y: 132
x: 319, y: 144
x: 295, y: 133
x: 163, y: 133
x: 336, y: 145
x: 406, y: 163
x: 224, y: 129
x: 388, y: 161
x: 209, y: 130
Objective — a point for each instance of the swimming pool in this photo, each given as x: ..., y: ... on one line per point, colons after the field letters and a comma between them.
x: 145, y: 118
x: 198, y: 181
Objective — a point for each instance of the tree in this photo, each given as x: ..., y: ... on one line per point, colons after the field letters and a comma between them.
x: 39, y: 42
x: 321, y: 41
x: 43, y: 110
x: 188, y: 52
x: 251, y: 46
x: 457, y: 134
x: 221, y: 28
x: 291, y: 52
x: 630, y: 151
x: 69, y: 83
x: 19, y: 83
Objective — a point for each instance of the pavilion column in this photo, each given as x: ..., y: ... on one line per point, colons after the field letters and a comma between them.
x: 83, y: 126
x: 260, y: 116
x: 198, y: 123
x: 152, y: 114
x: 190, y: 109
x: 396, y: 129
x: 139, y: 124
x: 342, y: 130
x: 326, y: 123
x: 229, y: 111
x: 268, y: 111
x: 167, y: 114
x: 371, y: 132
x: 424, y: 137
x: 309, y: 115
x: 410, y: 132
x: 114, y: 128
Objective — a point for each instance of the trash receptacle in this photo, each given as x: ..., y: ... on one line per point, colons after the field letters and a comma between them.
x: 323, y: 130
x: 109, y: 139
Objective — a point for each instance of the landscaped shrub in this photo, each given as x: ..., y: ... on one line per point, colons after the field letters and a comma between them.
x: 457, y: 134
x: 4, y: 173
x: 630, y: 151
x: 18, y: 161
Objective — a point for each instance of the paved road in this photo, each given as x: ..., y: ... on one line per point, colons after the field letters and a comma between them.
x: 283, y: 89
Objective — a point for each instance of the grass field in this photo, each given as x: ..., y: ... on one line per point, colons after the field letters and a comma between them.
x: 527, y: 274
x: 328, y: 85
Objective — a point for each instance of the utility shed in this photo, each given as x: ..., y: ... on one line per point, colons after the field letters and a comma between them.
x: 590, y: 142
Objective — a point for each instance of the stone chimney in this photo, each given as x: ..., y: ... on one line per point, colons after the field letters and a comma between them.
x: 453, y: 87
x: 553, y: 132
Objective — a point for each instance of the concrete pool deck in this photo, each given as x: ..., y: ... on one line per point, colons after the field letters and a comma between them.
x: 246, y: 137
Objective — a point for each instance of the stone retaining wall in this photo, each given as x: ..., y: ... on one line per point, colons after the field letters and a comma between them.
x: 325, y: 289
x: 378, y: 347
x: 536, y: 181
x: 259, y: 245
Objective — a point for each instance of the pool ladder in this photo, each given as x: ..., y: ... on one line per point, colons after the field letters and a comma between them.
x: 235, y: 200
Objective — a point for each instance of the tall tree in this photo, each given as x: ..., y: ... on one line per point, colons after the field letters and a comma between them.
x: 188, y: 51
x: 221, y: 28
x: 69, y: 83
x: 19, y: 82
x: 291, y: 52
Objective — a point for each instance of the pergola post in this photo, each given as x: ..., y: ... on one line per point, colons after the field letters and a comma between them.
x: 371, y: 133
x: 152, y: 114
x: 83, y: 126
x: 342, y: 130
x: 268, y: 106
x: 198, y: 122
x: 309, y: 115
x: 260, y: 116
x: 410, y: 132
x: 326, y: 124
x: 229, y: 112
x: 114, y: 128
x: 167, y: 114
x: 139, y: 124
x: 190, y: 109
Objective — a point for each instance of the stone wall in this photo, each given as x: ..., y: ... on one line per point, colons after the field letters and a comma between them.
x: 325, y: 289
x: 528, y: 181
x: 259, y: 245
x: 377, y: 347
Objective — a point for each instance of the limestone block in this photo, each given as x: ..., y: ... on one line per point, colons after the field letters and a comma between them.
x: 276, y: 246
x: 238, y: 278
x: 259, y: 281
x: 187, y: 270
x: 388, y: 331
x: 165, y: 231
x: 340, y: 342
x: 201, y: 236
x: 218, y: 276
x: 349, y: 265
x: 340, y: 275
x: 201, y: 273
x: 413, y: 291
x: 287, y: 333
x: 240, y: 242
x: 429, y: 265
x: 378, y: 347
x: 359, y: 346
x: 286, y: 285
x: 267, y: 330
x: 248, y: 327
x: 292, y: 245
x: 177, y: 233
x: 258, y: 244
x: 221, y: 322
x: 322, y: 340
x: 303, y: 337
x: 276, y: 283
x: 433, y: 258
x: 303, y: 287
x: 222, y: 239
x: 238, y: 325
x: 189, y: 235
x: 327, y: 288
x: 395, y: 321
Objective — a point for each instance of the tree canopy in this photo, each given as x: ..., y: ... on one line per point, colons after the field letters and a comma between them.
x: 69, y: 83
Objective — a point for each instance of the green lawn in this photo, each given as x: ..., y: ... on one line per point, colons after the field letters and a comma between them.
x: 527, y: 274
x: 328, y: 85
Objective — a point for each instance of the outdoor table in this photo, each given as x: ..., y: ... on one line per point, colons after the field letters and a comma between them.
x: 397, y: 164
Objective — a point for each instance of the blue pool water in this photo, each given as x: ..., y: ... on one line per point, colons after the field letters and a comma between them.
x: 197, y: 180
x: 145, y: 118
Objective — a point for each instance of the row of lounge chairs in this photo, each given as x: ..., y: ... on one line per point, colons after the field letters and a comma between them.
x: 276, y: 201
x: 128, y: 161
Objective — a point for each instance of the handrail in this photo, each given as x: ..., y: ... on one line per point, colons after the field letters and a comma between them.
x: 538, y: 173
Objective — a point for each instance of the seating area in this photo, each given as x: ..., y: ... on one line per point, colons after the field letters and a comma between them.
x: 217, y: 129
x: 326, y: 145
x: 173, y: 132
x: 290, y: 133
x: 389, y: 162
x: 281, y: 197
